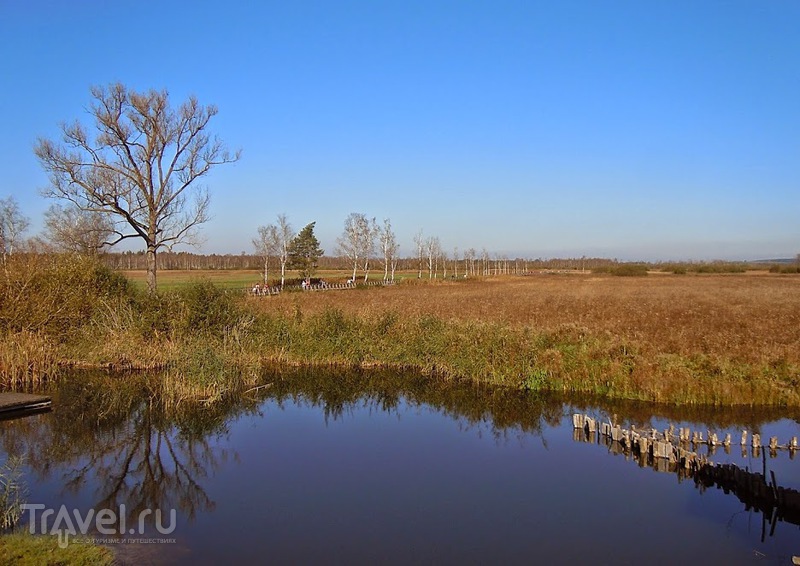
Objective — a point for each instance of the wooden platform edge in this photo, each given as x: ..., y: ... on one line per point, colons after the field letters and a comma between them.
x: 13, y: 402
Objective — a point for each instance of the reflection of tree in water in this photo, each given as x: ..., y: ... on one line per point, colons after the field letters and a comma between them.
x: 341, y: 392
x: 113, y: 433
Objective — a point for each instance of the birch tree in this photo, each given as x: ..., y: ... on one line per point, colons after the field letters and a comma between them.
x: 142, y: 165
x: 12, y: 225
x: 284, y: 237
x: 433, y: 253
x: 389, y: 247
x: 357, y: 241
x: 469, y: 261
x: 419, y: 243
x: 266, y: 246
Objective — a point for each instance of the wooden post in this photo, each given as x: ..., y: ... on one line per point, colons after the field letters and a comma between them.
x: 744, y: 438
x: 727, y: 441
x: 756, y: 440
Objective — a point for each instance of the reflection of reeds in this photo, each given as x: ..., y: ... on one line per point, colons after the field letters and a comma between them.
x: 12, y: 492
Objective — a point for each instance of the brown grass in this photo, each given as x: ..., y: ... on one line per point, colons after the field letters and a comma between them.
x: 747, y: 318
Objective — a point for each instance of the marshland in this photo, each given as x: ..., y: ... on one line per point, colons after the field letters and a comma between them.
x: 707, y: 339
x: 414, y: 398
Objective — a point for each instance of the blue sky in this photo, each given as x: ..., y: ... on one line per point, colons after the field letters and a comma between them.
x: 637, y: 130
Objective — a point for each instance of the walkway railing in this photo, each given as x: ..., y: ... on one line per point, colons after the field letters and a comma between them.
x: 276, y: 290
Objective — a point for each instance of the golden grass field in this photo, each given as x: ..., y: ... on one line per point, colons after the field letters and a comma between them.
x: 753, y: 317
x: 696, y: 338
x: 749, y: 317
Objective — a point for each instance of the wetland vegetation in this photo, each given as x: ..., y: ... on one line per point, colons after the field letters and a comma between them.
x: 690, y: 339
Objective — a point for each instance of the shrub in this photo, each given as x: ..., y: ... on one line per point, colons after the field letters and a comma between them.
x: 629, y: 270
x: 56, y: 294
x: 204, y: 307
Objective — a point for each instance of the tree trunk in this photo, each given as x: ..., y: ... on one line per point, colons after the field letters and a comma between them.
x: 151, y: 269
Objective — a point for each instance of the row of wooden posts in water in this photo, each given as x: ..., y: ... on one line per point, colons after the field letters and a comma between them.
x: 670, y: 451
x: 661, y: 444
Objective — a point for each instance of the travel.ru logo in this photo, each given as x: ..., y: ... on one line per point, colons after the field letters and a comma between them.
x: 104, y: 522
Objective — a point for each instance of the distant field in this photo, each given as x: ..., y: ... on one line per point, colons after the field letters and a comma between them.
x: 748, y: 317
x: 752, y: 318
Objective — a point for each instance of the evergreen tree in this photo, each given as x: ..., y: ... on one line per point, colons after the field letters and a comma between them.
x: 304, y: 251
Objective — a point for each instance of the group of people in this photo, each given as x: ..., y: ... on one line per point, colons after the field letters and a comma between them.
x: 264, y: 289
x: 259, y: 289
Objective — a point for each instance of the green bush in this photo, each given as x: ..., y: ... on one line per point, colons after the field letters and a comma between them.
x: 203, y: 307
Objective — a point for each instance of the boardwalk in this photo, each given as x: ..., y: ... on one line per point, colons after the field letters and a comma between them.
x: 11, y: 403
x: 276, y: 290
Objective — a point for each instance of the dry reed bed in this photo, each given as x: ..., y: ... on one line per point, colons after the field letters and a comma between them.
x: 746, y: 318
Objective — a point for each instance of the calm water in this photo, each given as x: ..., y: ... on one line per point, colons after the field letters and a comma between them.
x: 386, y: 468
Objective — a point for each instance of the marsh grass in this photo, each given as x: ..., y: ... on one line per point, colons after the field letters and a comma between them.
x: 720, y: 339
x: 717, y: 339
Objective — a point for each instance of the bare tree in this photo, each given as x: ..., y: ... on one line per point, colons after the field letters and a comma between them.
x: 357, y: 241
x: 266, y: 246
x: 142, y: 166
x: 419, y: 243
x: 12, y: 225
x: 389, y: 247
x: 71, y: 229
x: 433, y: 251
x: 285, y: 237
x: 455, y: 262
x: 274, y: 240
x: 469, y: 261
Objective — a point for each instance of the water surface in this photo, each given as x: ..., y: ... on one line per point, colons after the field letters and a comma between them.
x: 331, y: 467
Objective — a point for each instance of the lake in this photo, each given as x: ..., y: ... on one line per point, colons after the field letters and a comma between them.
x: 337, y: 467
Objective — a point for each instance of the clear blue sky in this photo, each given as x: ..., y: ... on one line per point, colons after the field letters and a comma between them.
x: 628, y: 129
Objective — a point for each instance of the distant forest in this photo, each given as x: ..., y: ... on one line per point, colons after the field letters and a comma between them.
x: 188, y: 261
x: 130, y: 260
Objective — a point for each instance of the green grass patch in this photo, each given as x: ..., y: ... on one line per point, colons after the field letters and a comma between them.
x: 24, y: 549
